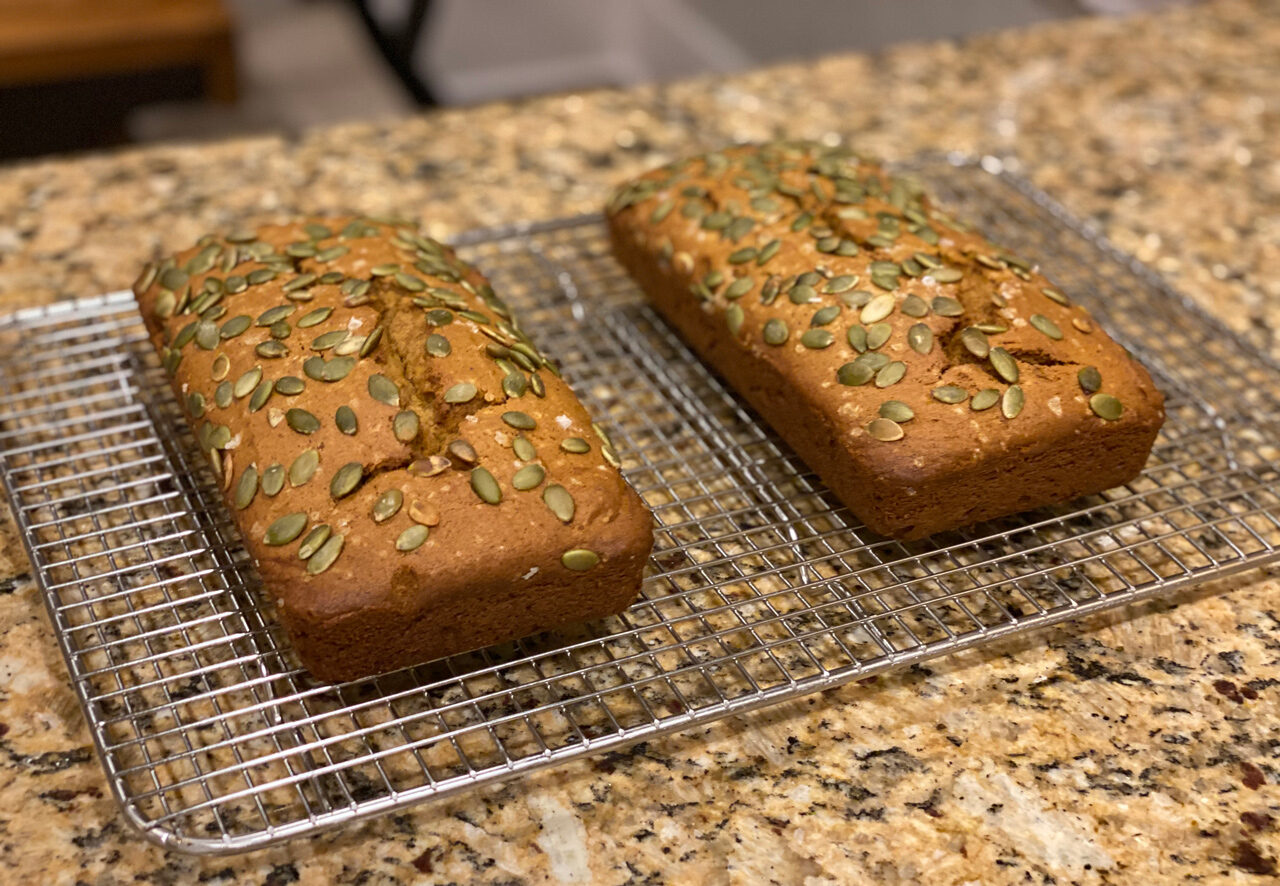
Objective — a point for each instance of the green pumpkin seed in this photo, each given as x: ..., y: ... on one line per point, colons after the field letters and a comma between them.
x: 221, y: 366
x: 302, y: 421
x: 802, y: 294
x: 370, y: 342
x: 1047, y: 326
x: 303, y: 468
x: 247, y: 488
x: 259, y: 276
x: 236, y: 284
x: 274, y: 315
x: 236, y: 326
x: 841, y: 283
x: 313, y: 368
x: 273, y: 480
x: 337, y: 250
x: 333, y: 370
x: 817, y: 339
x: 345, y: 419
x: 185, y: 334
x: 519, y: 421
x: 896, y: 410
x: 855, y: 374
x: 885, y: 430
x: 438, y: 345
x: 857, y: 336
x: 383, y: 390
x: 528, y: 477
x: 222, y: 395
x: 285, y: 529
x: 525, y: 450
x: 346, y: 479
x: 290, y: 386
x: 412, y: 538
x: 247, y: 382
x: 1055, y: 295
x: 387, y: 505
x: 325, y: 556
x: 984, y: 399
x: 1012, y: 402
x: 261, y: 394
x: 405, y: 425
x: 559, y: 501
x: 409, y: 281
x: 1004, y: 364
x: 514, y: 385
x: 950, y: 394
x: 576, y: 445
x: 174, y: 278
x: 485, y: 486
x: 196, y: 404
x: 462, y: 392
x: 439, y: 317
x: 280, y: 329
x: 826, y: 315
x: 914, y: 306
x: 302, y: 281
x: 975, y: 342
x: 946, y: 306
x: 740, y: 287
x: 877, y: 309
x: 314, y: 540
x: 946, y: 275
x: 877, y: 335
x: 776, y: 332
x: 1106, y: 407
x: 327, y: 340
x: 314, y: 318
x: 1090, y: 379
x: 384, y: 270
x: 733, y: 318
x: 920, y: 338
x: 463, y: 452
x: 271, y: 349
x: 579, y: 559
x: 891, y: 374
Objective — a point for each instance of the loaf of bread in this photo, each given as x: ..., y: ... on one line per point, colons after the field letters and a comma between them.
x: 930, y: 378
x: 410, y: 474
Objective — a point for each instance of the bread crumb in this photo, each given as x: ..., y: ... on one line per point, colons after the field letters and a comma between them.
x: 564, y: 422
x: 1055, y: 405
x: 530, y: 574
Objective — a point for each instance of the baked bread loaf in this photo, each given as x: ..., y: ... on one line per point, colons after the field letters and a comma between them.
x: 930, y: 378
x: 410, y: 475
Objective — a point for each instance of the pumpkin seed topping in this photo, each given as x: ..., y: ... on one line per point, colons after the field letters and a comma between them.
x: 429, y: 466
x: 221, y: 366
x: 438, y: 345
x: 271, y: 349
x: 1012, y: 402
x: 247, y: 382
x: 383, y: 390
x: 891, y: 374
x: 323, y: 558
x: 984, y: 399
x: 975, y: 342
x: 1055, y: 295
x: 885, y: 430
x: 946, y: 306
x: 733, y: 318
x: 247, y: 488
x: 236, y: 326
x: 877, y: 335
x: 857, y: 336
x: 273, y: 480
x: 261, y: 394
x: 275, y: 315
x: 1090, y: 379
x: 1106, y: 407
x: 579, y: 559
x: 485, y: 486
x: 345, y: 419
x: 519, y: 420
x: 303, y: 468
x: 313, y: 540
x: 896, y: 410
x: 1004, y: 364
x: 823, y: 316
x: 412, y: 538
x: 285, y: 529
x: 950, y: 394
x: 462, y: 392
x: 290, y: 386
x: 559, y: 501
x: 387, y: 505
x: 1047, y: 326
x: 920, y: 338
x: 817, y: 339
x: 575, y: 445
x: 877, y: 309
x: 405, y: 425
x: 346, y: 480
x: 528, y: 477
x: 302, y: 421
x: 424, y: 513
x: 463, y: 452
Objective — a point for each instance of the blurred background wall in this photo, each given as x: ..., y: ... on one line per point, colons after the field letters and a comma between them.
x: 83, y: 74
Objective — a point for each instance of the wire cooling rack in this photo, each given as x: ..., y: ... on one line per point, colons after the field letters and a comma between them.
x: 761, y: 586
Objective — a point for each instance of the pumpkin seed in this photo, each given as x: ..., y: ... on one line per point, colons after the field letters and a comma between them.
x: 313, y: 368
x: 334, y: 370
x: 576, y: 445
x: 946, y: 306
x: 273, y: 480
x: 1047, y: 326
x: 346, y: 479
x: 327, y: 340
x: 258, y: 276
x: 1055, y: 295
x: 196, y: 404
x: 247, y: 488
x: 370, y: 342
x: 740, y: 287
x: 886, y: 430
x: 946, y: 275
x: 1106, y: 407
x: 878, y: 334
x: 802, y: 294
x: 275, y: 315
x: 462, y: 392
x: 405, y: 425
x: 412, y: 538
x: 485, y: 486
x: 345, y: 419
x: 841, y: 283
x: 236, y: 284
x: 514, y: 385
x: 559, y: 501
x: 325, y: 557
x: 387, y: 505
x: 877, y: 309
x: 384, y: 270
x: 776, y: 331
x: 302, y: 281
x: 984, y: 399
x: 303, y: 468
x: 528, y: 477
x: 383, y: 389
x: 271, y: 349
x: 920, y: 338
x: 313, y: 540
x: 896, y: 410
x: 439, y: 317
x: 285, y: 529
x: 236, y: 326
x: 519, y: 421
x: 1004, y: 364
x: 1090, y: 379
x: 891, y: 374
x: 950, y: 394
x: 423, y: 513
x: 280, y: 329
x: 854, y: 374
x: 302, y: 421
x: 429, y: 466
x: 914, y: 306
x: 857, y: 336
x: 261, y: 394
x: 734, y: 317
x: 409, y: 281
x: 221, y: 366
x: 817, y: 339
x: 185, y: 334
x: 247, y: 382
x: 975, y: 342
x: 222, y: 394
x: 823, y: 316
x: 579, y: 559
x: 290, y: 386
x: 1012, y: 402
x: 464, y: 452
x: 314, y: 318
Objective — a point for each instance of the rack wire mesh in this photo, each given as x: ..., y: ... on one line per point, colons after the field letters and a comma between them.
x: 761, y: 586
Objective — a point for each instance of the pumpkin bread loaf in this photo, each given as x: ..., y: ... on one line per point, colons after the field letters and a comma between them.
x: 930, y: 378
x: 411, y: 476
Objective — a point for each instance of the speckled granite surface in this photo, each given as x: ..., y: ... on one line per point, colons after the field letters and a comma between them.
x: 1139, y: 748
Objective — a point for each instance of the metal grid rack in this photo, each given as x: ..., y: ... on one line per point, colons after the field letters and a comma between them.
x: 761, y: 587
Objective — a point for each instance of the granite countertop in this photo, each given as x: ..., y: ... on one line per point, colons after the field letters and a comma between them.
x: 1140, y: 747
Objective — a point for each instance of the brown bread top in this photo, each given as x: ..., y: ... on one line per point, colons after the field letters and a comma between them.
x: 845, y: 305
x: 387, y: 436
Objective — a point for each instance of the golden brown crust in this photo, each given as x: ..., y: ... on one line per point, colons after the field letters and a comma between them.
x: 743, y: 250
x: 397, y: 322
